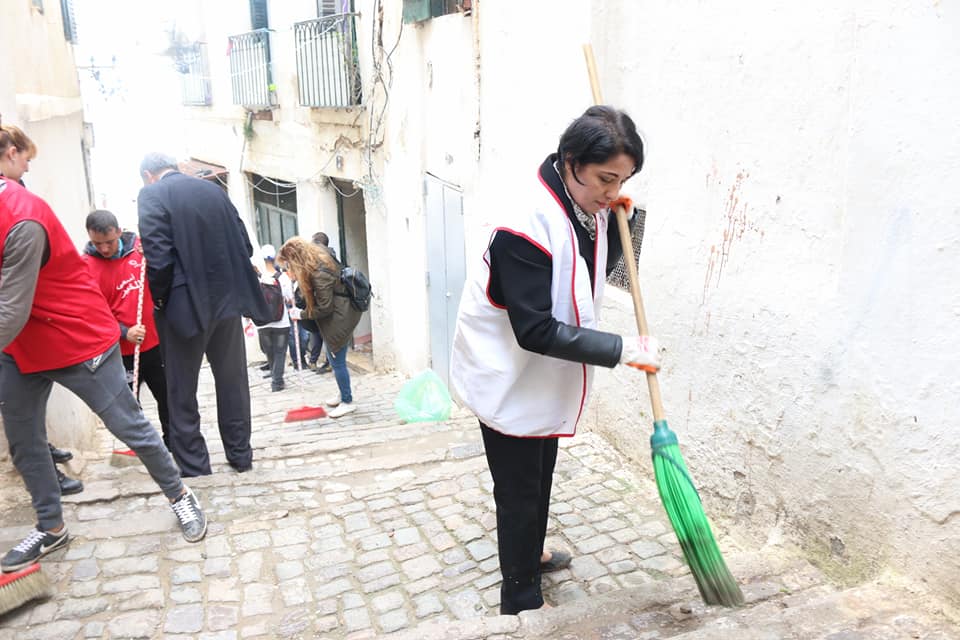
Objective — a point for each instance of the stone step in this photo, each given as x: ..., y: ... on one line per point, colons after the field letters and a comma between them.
x: 872, y: 611
x: 663, y: 609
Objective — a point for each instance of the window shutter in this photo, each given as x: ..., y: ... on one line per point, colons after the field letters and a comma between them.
x: 258, y: 15
x: 416, y: 10
x: 69, y: 21
x: 327, y: 8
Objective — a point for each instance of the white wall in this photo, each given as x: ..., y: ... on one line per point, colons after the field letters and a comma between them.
x: 430, y: 127
x: 799, y: 267
x: 41, y: 95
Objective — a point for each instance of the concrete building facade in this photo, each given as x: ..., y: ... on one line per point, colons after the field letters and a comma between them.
x: 40, y: 93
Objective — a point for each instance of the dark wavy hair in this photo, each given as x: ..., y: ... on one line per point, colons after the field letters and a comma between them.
x: 601, y: 133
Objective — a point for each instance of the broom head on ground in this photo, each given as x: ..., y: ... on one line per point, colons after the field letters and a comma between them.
x: 22, y: 586
x: 682, y: 503
x: 123, y: 458
x: 305, y: 413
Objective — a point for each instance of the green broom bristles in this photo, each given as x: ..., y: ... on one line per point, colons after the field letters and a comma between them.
x: 682, y: 503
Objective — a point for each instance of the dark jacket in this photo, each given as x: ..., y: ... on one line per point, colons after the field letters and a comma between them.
x: 335, y: 316
x: 198, y: 254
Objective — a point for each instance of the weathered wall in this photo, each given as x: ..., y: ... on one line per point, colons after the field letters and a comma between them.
x: 41, y: 95
x: 799, y: 267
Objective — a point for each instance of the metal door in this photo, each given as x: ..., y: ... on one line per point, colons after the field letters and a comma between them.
x: 446, y: 267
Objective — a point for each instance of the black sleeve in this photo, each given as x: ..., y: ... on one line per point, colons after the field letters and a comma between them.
x: 520, y: 280
x: 156, y: 238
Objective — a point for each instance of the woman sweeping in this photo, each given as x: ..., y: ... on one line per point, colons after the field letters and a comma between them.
x: 526, y: 338
x: 326, y: 301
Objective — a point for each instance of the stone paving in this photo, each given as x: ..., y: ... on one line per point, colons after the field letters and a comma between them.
x: 344, y: 529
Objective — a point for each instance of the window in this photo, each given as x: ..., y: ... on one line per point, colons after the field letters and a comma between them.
x: 326, y: 8
x: 275, y: 206
x: 420, y: 10
x: 258, y: 15
x: 69, y: 21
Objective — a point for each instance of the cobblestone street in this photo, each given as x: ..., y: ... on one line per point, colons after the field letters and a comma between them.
x: 344, y: 529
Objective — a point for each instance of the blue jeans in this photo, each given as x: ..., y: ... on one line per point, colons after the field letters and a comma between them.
x: 338, y: 362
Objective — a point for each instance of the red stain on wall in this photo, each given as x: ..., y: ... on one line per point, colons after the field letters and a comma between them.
x: 737, y: 224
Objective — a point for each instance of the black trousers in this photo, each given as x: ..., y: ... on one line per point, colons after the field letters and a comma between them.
x: 522, y: 470
x: 152, y: 372
x: 225, y: 349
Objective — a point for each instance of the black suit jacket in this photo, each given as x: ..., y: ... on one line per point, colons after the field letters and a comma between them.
x: 198, y: 254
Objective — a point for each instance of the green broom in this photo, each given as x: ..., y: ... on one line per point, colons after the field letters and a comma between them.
x: 680, y: 498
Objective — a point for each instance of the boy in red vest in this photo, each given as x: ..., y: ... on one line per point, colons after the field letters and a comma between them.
x: 56, y: 326
x: 115, y: 259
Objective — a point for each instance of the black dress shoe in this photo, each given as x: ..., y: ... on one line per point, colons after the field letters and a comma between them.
x: 68, y: 485
x: 59, y: 455
x: 241, y: 468
x: 265, y: 367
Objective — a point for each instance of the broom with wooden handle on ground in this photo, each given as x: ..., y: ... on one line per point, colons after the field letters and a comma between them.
x: 677, y: 491
x: 22, y: 586
x: 127, y: 457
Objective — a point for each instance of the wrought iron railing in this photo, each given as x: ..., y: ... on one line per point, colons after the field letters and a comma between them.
x: 251, y: 75
x: 194, y: 75
x: 327, y: 67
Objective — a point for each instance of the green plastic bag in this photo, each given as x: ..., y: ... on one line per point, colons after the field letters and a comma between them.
x: 424, y: 398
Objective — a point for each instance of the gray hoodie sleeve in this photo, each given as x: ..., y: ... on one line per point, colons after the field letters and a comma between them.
x: 23, y: 254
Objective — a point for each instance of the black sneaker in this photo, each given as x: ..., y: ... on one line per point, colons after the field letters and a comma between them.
x: 36, y: 545
x: 193, y: 523
x: 68, y: 485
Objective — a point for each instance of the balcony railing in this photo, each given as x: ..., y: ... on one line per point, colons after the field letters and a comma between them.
x: 250, y: 72
x: 194, y: 77
x: 327, y: 65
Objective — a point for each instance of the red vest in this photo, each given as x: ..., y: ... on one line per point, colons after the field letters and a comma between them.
x: 119, y: 281
x: 70, y: 321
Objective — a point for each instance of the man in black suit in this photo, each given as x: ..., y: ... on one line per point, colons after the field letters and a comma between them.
x: 202, y: 281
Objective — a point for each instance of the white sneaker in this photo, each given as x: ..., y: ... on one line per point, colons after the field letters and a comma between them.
x: 342, y: 410
x: 334, y: 401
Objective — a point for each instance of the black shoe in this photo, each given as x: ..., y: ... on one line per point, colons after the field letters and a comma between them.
x: 558, y: 560
x: 36, y: 545
x: 265, y: 367
x: 277, y: 387
x: 68, y: 485
x: 324, y: 368
x: 241, y: 468
x: 59, y: 455
x: 193, y: 523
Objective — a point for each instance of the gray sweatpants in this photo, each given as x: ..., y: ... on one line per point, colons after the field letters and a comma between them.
x: 101, y: 383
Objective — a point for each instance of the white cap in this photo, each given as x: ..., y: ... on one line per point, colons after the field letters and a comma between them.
x: 267, y: 252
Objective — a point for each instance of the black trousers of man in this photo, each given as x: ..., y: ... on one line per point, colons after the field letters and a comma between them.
x: 152, y: 372
x: 224, y: 346
x: 522, y: 470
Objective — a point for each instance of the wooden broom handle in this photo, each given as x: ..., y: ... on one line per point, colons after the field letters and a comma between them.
x: 629, y: 260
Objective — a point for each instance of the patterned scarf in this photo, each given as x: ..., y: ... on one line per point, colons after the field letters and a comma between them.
x: 586, y: 220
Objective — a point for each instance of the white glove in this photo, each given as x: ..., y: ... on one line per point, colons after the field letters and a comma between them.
x: 641, y: 352
x: 294, y: 313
